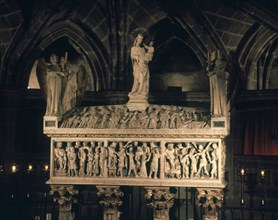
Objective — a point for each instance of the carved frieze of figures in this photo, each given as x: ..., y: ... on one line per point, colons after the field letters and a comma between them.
x: 139, y: 159
x: 118, y: 116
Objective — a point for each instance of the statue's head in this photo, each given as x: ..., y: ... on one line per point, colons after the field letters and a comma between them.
x: 138, y: 41
x: 53, y: 58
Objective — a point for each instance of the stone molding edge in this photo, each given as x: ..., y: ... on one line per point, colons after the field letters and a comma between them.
x: 137, y: 182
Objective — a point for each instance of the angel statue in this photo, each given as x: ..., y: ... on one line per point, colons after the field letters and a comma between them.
x: 63, y: 83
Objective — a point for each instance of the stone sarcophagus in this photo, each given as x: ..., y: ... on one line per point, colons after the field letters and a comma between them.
x: 136, y: 144
x: 161, y: 146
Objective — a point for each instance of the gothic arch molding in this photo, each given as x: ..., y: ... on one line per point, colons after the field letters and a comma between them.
x: 157, y: 32
x: 250, y: 50
x: 17, y: 72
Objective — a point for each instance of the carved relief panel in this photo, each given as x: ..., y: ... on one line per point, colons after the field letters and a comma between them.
x: 138, y: 162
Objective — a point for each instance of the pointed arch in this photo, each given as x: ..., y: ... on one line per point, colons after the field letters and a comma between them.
x: 17, y: 72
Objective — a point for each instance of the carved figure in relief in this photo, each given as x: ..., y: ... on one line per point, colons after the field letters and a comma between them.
x: 145, y: 157
x: 60, y: 157
x: 153, y: 118
x: 213, y: 158
x: 90, y: 155
x: 122, y: 160
x: 193, y: 162
x: 156, y: 155
x: 170, y: 157
x: 164, y: 118
x: 105, y: 118
x: 72, y: 166
x: 85, y: 120
x: 96, y: 161
x: 138, y: 155
x: 90, y: 163
x: 185, y: 162
x: 202, y: 157
x: 133, y: 121
x: 140, y: 68
x: 102, y: 159
x: 131, y: 162
x: 124, y: 120
x: 112, y: 156
x: 82, y: 160
x: 213, y: 171
x: 93, y: 118
x: 144, y: 119
x: 115, y: 119
x: 174, y: 117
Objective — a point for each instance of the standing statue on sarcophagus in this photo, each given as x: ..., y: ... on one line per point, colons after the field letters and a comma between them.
x: 218, y: 84
x: 63, y: 83
x: 141, y: 54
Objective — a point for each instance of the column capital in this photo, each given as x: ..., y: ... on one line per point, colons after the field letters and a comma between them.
x: 110, y: 199
x: 65, y: 196
x: 160, y: 200
x: 210, y: 200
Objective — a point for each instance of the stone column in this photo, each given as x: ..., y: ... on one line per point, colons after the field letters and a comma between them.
x: 65, y: 196
x: 210, y: 200
x: 160, y: 200
x: 110, y: 199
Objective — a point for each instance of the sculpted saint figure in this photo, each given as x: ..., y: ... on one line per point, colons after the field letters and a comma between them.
x: 202, y: 155
x: 140, y: 66
x: 122, y: 160
x: 72, y: 166
x: 131, y: 161
x: 82, y: 160
x: 218, y: 84
x: 54, y: 82
x: 60, y: 156
x: 154, y: 164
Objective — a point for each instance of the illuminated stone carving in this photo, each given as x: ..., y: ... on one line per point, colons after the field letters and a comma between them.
x: 218, y: 84
x: 156, y: 160
x: 160, y: 200
x: 211, y: 201
x: 65, y: 196
x: 110, y: 200
x: 119, y: 116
